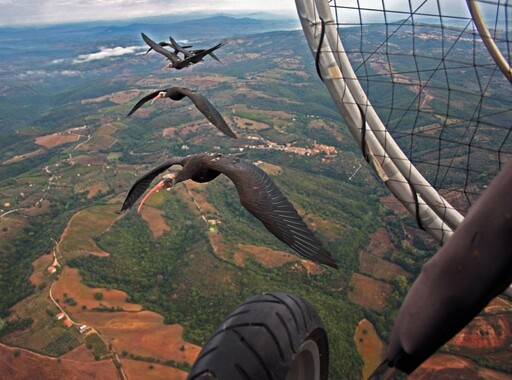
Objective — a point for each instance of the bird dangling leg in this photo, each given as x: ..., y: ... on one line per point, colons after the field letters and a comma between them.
x: 166, y: 183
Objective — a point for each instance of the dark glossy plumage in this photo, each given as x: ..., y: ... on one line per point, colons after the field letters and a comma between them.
x: 201, y: 103
x: 176, y: 62
x: 198, y: 55
x: 257, y: 191
x: 164, y: 43
x: 187, y: 53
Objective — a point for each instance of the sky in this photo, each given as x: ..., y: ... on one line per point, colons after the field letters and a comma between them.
x: 38, y: 12
x: 26, y: 12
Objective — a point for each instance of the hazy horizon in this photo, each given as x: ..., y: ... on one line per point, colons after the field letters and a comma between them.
x: 43, y: 13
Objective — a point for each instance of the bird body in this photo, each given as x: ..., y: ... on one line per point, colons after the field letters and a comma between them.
x: 257, y: 192
x: 201, y: 103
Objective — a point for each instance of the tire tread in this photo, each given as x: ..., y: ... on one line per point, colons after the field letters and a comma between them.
x: 259, y: 340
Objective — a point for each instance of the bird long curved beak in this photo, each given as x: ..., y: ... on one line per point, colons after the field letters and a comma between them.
x: 163, y: 184
x: 159, y: 96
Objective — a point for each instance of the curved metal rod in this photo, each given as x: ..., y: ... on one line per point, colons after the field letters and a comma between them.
x: 489, y: 43
x: 439, y: 205
x: 437, y: 216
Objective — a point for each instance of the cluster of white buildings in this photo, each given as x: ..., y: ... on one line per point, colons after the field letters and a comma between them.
x: 289, y: 148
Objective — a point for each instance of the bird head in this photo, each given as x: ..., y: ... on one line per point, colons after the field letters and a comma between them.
x: 167, y: 182
x: 169, y: 179
x: 161, y: 94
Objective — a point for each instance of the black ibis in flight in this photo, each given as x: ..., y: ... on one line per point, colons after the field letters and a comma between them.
x: 201, y: 103
x: 257, y: 192
x: 176, y: 62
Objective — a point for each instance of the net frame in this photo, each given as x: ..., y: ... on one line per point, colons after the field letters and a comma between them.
x: 433, y: 213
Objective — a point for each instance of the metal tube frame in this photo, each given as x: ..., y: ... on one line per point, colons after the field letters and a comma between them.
x: 408, y: 185
x: 487, y: 39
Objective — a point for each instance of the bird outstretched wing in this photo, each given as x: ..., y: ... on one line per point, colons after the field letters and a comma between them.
x: 201, y: 103
x: 208, y: 110
x: 142, y: 101
x: 178, y: 48
x: 160, y: 49
x: 262, y: 198
x: 200, y: 54
x: 212, y: 54
x: 144, y: 181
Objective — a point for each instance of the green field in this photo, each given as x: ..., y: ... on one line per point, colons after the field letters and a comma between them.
x: 47, y: 335
x: 97, y: 345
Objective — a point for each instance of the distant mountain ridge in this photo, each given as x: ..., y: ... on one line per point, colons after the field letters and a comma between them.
x: 217, y: 26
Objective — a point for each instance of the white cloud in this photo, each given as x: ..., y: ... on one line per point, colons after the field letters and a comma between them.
x: 40, y: 74
x: 33, y: 74
x: 108, y: 52
x: 69, y: 73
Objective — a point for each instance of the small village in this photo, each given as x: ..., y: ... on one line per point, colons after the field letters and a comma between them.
x: 317, y: 149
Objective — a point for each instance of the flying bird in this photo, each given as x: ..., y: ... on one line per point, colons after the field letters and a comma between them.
x: 257, y: 192
x: 201, y: 103
x: 176, y: 62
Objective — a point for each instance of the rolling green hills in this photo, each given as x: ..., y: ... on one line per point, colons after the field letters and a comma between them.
x: 68, y: 146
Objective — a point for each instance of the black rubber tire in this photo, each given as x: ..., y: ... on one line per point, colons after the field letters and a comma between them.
x: 273, y: 336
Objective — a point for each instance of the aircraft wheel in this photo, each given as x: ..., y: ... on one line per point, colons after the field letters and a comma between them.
x: 274, y: 336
